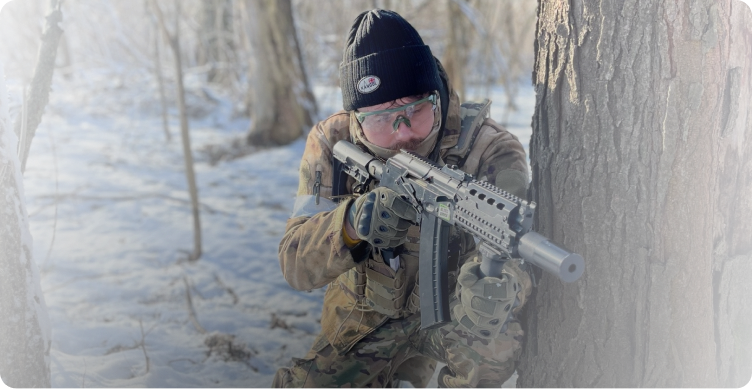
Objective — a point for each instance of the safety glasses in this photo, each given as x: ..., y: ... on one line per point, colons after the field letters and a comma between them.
x: 388, y: 120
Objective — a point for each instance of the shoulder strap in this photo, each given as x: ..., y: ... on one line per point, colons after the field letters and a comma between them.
x: 472, y: 115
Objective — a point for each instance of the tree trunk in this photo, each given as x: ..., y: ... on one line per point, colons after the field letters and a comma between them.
x: 217, y: 40
x: 283, y: 106
x: 161, y: 84
x: 24, y: 325
x: 455, y: 55
x: 642, y: 162
x: 40, y: 83
x: 190, y: 174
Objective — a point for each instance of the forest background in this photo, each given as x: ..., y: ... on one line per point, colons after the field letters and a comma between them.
x: 157, y: 256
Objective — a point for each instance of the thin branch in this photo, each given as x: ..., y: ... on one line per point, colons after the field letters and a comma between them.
x: 162, y: 24
x: 190, y: 174
x: 83, y: 377
x: 229, y: 290
x: 81, y: 278
x: 476, y: 20
x: 41, y: 208
x: 119, y: 35
x: 191, y: 310
x: 140, y: 196
x: 170, y: 362
x: 177, y: 26
x: 160, y: 82
x: 21, y: 132
x: 143, y: 344
x: 54, y: 223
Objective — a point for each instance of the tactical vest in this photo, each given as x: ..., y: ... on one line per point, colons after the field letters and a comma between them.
x: 374, y: 284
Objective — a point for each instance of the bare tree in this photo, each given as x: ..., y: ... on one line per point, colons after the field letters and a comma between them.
x: 216, y: 39
x: 282, y: 104
x: 455, y: 54
x: 642, y: 162
x: 39, y: 94
x: 24, y: 326
x: 161, y: 82
x: 20, y: 44
x: 174, y: 41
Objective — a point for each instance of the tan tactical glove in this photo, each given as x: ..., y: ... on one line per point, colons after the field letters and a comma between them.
x: 486, y: 303
x: 382, y: 217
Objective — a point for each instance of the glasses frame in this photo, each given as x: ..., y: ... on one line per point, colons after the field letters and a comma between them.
x: 361, y: 116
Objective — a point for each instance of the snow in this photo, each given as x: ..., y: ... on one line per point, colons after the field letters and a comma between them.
x: 111, y: 222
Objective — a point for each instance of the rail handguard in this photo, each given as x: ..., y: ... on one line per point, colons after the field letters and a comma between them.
x: 448, y: 196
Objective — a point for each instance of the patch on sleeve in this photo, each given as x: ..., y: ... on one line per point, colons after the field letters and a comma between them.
x: 513, y: 181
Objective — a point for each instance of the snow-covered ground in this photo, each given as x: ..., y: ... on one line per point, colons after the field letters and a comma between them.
x: 111, y: 222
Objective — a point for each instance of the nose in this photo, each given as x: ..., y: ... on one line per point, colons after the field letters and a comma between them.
x: 404, y: 132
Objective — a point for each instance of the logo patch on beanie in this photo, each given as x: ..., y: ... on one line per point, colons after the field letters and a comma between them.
x: 368, y: 84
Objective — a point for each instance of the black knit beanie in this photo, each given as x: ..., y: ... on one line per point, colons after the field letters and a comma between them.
x: 385, y: 59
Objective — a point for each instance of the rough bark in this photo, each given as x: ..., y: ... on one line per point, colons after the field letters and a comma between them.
x: 283, y: 106
x: 190, y: 174
x: 642, y: 162
x: 40, y: 83
x: 24, y: 326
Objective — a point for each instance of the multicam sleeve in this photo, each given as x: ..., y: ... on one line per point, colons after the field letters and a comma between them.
x: 313, y: 252
x: 500, y: 159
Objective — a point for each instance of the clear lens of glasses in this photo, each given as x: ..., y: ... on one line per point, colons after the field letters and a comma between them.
x: 388, y: 120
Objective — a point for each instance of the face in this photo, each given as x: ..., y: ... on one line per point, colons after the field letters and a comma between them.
x: 400, y: 124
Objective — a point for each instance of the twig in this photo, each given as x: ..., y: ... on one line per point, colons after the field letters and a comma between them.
x: 45, y: 206
x: 54, y: 222
x: 190, y: 174
x: 277, y: 322
x: 24, y: 124
x: 182, y: 359
x: 191, y: 310
x: 229, y: 290
x: 143, y: 344
x: 160, y: 81
x: 83, y: 377
x: 139, y: 196
x: 79, y: 278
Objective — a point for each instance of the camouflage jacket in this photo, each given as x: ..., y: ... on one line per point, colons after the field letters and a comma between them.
x: 362, y: 296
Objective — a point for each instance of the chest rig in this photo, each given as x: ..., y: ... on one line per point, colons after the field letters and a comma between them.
x: 373, y: 284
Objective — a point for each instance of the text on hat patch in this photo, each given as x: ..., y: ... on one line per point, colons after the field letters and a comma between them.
x: 368, y: 84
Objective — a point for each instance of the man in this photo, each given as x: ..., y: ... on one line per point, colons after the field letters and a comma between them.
x: 397, y: 96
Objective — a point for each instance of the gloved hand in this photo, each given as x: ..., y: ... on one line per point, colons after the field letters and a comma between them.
x: 485, y: 303
x: 382, y: 217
